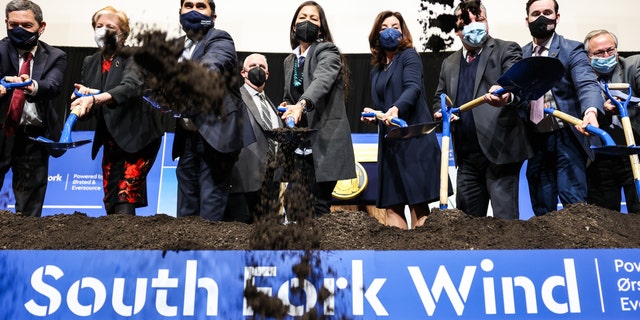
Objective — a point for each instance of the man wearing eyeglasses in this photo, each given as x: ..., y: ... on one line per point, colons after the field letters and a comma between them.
x: 561, y: 151
x: 609, y: 174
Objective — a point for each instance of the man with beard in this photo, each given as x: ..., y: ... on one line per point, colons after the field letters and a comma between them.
x: 28, y: 111
x: 490, y: 143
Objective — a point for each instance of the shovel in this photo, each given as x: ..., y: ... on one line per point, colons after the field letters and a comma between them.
x: 626, y: 127
x: 65, y: 142
x: 445, y: 107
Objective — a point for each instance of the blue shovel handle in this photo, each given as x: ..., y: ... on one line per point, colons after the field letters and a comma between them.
x: 290, y: 122
x: 378, y: 115
x: 11, y: 85
x: 80, y: 95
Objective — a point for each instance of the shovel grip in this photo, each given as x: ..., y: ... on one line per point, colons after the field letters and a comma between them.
x: 11, y: 85
x: 289, y: 121
x: 92, y: 92
x: 379, y: 115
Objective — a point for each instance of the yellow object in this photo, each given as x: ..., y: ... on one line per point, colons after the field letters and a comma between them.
x: 351, y: 188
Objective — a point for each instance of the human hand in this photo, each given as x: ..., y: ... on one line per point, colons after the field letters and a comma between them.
x: 83, y: 105
x: 496, y: 100
x: 590, y: 117
x: 368, y: 119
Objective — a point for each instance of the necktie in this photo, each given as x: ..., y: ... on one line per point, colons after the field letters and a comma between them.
x: 264, y: 111
x: 266, y: 119
x: 297, y: 71
x: 470, y: 56
x: 17, y: 100
x: 536, y: 112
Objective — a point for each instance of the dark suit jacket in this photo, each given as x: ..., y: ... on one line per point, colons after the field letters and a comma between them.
x: 249, y: 171
x: 49, y: 66
x: 131, y: 121
x: 578, y: 89
x: 226, y: 133
x: 501, y: 131
x: 333, y: 156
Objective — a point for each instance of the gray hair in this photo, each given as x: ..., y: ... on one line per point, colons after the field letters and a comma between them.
x: 596, y: 33
x: 24, y: 5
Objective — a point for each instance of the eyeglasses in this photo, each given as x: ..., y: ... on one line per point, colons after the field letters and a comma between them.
x: 601, y: 53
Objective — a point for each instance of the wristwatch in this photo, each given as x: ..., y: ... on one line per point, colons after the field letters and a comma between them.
x: 303, y: 103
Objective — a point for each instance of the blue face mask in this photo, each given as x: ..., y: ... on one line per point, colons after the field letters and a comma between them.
x: 390, y: 39
x: 604, y: 65
x: 195, y: 22
x: 474, y: 34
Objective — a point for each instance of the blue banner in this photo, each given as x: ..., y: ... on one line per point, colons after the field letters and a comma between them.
x: 505, y: 284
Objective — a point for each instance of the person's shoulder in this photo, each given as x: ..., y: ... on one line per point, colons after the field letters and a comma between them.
x: 51, y: 50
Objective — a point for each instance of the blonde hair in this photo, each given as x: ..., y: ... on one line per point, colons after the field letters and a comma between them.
x: 123, y: 20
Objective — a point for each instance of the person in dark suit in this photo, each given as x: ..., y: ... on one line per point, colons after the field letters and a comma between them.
x: 251, y: 174
x: 129, y: 129
x: 315, y: 79
x: 490, y: 143
x: 408, y: 168
x: 208, y: 144
x: 561, y: 151
x: 28, y: 111
x: 608, y: 174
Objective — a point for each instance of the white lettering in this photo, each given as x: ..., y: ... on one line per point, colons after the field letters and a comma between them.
x: 442, y: 281
x: 100, y: 296
x: 38, y: 284
x: 164, y: 282
x: 359, y: 294
x: 626, y: 266
x: 628, y: 304
x: 117, y: 300
x: 250, y: 273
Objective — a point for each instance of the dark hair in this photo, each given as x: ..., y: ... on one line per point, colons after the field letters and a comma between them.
x: 378, y: 55
x: 211, y: 4
x: 556, y: 6
x: 325, y: 36
x: 24, y: 5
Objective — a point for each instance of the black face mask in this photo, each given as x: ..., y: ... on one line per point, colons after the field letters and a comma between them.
x: 307, y: 31
x: 542, y: 27
x: 257, y: 76
x: 22, y: 38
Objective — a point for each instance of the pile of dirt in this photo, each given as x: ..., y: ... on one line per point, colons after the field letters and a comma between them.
x: 577, y: 226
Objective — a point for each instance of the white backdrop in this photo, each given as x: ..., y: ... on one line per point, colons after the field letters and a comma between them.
x: 262, y: 25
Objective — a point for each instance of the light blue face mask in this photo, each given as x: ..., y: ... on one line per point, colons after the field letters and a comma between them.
x: 604, y: 65
x: 474, y: 34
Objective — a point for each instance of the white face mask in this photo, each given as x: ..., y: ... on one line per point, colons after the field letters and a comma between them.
x: 99, y: 35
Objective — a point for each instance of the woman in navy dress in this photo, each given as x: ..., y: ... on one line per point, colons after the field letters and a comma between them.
x: 408, y: 169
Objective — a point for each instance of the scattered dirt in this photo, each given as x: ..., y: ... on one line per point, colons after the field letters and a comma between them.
x: 578, y: 226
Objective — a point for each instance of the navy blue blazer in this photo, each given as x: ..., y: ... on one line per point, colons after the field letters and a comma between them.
x: 578, y: 89
x: 49, y: 66
x: 228, y: 132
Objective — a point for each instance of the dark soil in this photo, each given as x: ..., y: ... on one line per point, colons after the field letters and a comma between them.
x: 578, y: 226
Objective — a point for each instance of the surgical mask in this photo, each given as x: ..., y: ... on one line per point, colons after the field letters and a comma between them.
x: 194, y: 21
x: 99, y: 36
x: 257, y: 76
x: 542, y: 28
x: 22, y: 38
x: 604, y: 65
x: 474, y: 34
x: 390, y: 39
x: 307, y: 31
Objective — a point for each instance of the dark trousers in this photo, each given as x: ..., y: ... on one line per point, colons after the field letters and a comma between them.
x: 29, y: 163
x: 204, y: 177
x: 479, y: 180
x: 557, y: 170
x: 606, y: 177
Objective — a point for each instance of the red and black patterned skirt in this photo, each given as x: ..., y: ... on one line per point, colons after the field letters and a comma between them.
x: 125, y: 174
